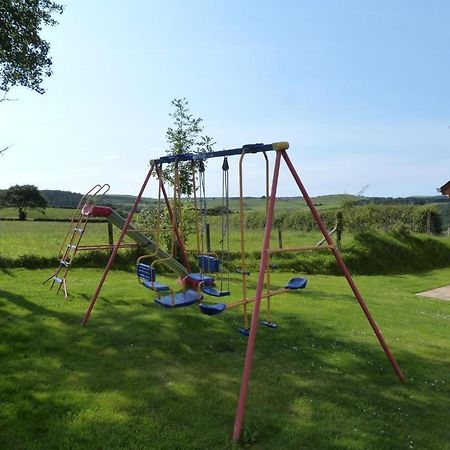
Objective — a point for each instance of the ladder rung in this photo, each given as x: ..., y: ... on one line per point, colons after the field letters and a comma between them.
x: 64, y: 263
x: 58, y: 280
x: 72, y: 246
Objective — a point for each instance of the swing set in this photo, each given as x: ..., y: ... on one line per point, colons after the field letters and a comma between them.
x: 212, y: 280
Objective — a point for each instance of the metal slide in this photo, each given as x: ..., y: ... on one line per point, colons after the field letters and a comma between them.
x: 147, y: 243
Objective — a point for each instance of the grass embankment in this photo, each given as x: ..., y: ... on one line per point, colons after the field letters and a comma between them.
x: 141, y: 376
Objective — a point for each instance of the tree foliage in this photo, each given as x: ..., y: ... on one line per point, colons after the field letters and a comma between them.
x: 24, y: 197
x: 185, y: 136
x: 24, y: 58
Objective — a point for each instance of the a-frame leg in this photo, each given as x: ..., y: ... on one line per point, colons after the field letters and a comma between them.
x: 264, y: 256
x: 116, y: 248
x: 258, y: 295
x: 343, y: 267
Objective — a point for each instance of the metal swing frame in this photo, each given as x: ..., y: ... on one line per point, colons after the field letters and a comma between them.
x: 281, y: 154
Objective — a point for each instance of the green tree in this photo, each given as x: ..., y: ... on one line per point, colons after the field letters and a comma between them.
x: 23, y: 198
x: 24, y: 55
x: 185, y: 136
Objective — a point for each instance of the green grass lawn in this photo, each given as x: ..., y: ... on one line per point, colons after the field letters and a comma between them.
x: 141, y: 376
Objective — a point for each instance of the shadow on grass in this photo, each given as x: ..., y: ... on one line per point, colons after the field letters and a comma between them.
x: 7, y: 272
x: 394, y: 253
x: 162, y: 378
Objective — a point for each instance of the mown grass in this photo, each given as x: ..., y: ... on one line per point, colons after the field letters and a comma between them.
x: 141, y: 376
x: 44, y: 238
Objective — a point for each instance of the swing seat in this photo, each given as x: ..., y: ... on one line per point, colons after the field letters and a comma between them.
x: 296, y: 283
x: 147, y: 275
x: 155, y: 286
x: 186, y: 298
x: 145, y: 272
x: 210, y: 290
x: 201, y: 278
x: 208, y: 264
x: 212, y: 309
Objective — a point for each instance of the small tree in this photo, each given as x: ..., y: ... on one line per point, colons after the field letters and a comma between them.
x: 23, y: 198
x: 185, y: 137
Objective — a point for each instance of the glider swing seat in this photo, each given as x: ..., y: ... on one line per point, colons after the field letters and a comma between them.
x: 147, y: 275
x: 212, y: 309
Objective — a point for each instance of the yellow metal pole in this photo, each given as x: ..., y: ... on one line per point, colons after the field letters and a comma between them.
x: 242, y: 233
x: 269, y: 314
x: 197, y: 225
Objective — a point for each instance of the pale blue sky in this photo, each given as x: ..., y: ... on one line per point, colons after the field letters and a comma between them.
x: 361, y: 90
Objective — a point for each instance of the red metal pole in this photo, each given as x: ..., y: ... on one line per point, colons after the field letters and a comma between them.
x: 174, y: 227
x: 344, y: 269
x: 116, y: 249
x: 259, y: 288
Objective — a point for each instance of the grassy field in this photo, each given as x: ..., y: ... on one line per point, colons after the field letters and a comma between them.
x: 141, y: 376
x: 44, y: 238
x: 49, y: 213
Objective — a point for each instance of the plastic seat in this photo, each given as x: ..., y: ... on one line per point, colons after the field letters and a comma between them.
x: 296, y: 283
x: 177, y: 300
x: 210, y: 290
x: 155, y: 286
x: 201, y: 278
x: 208, y: 264
x: 212, y: 309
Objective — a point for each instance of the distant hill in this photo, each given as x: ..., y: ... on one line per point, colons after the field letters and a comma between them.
x: 67, y: 199
x: 61, y: 199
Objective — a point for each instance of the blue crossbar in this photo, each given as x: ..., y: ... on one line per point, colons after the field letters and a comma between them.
x: 248, y: 148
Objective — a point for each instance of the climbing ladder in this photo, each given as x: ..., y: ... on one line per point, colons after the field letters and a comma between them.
x: 73, y: 236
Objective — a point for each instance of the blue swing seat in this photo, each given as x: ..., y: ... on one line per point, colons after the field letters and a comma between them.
x: 212, y: 309
x: 201, y: 278
x: 184, y: 298
x: 155, y: 286
x: 147, y: 276
x: 210, y: 290
x: 296, y: 283
x: 208, y: 264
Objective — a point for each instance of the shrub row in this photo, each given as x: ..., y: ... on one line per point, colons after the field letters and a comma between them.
x: 371, y: 217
